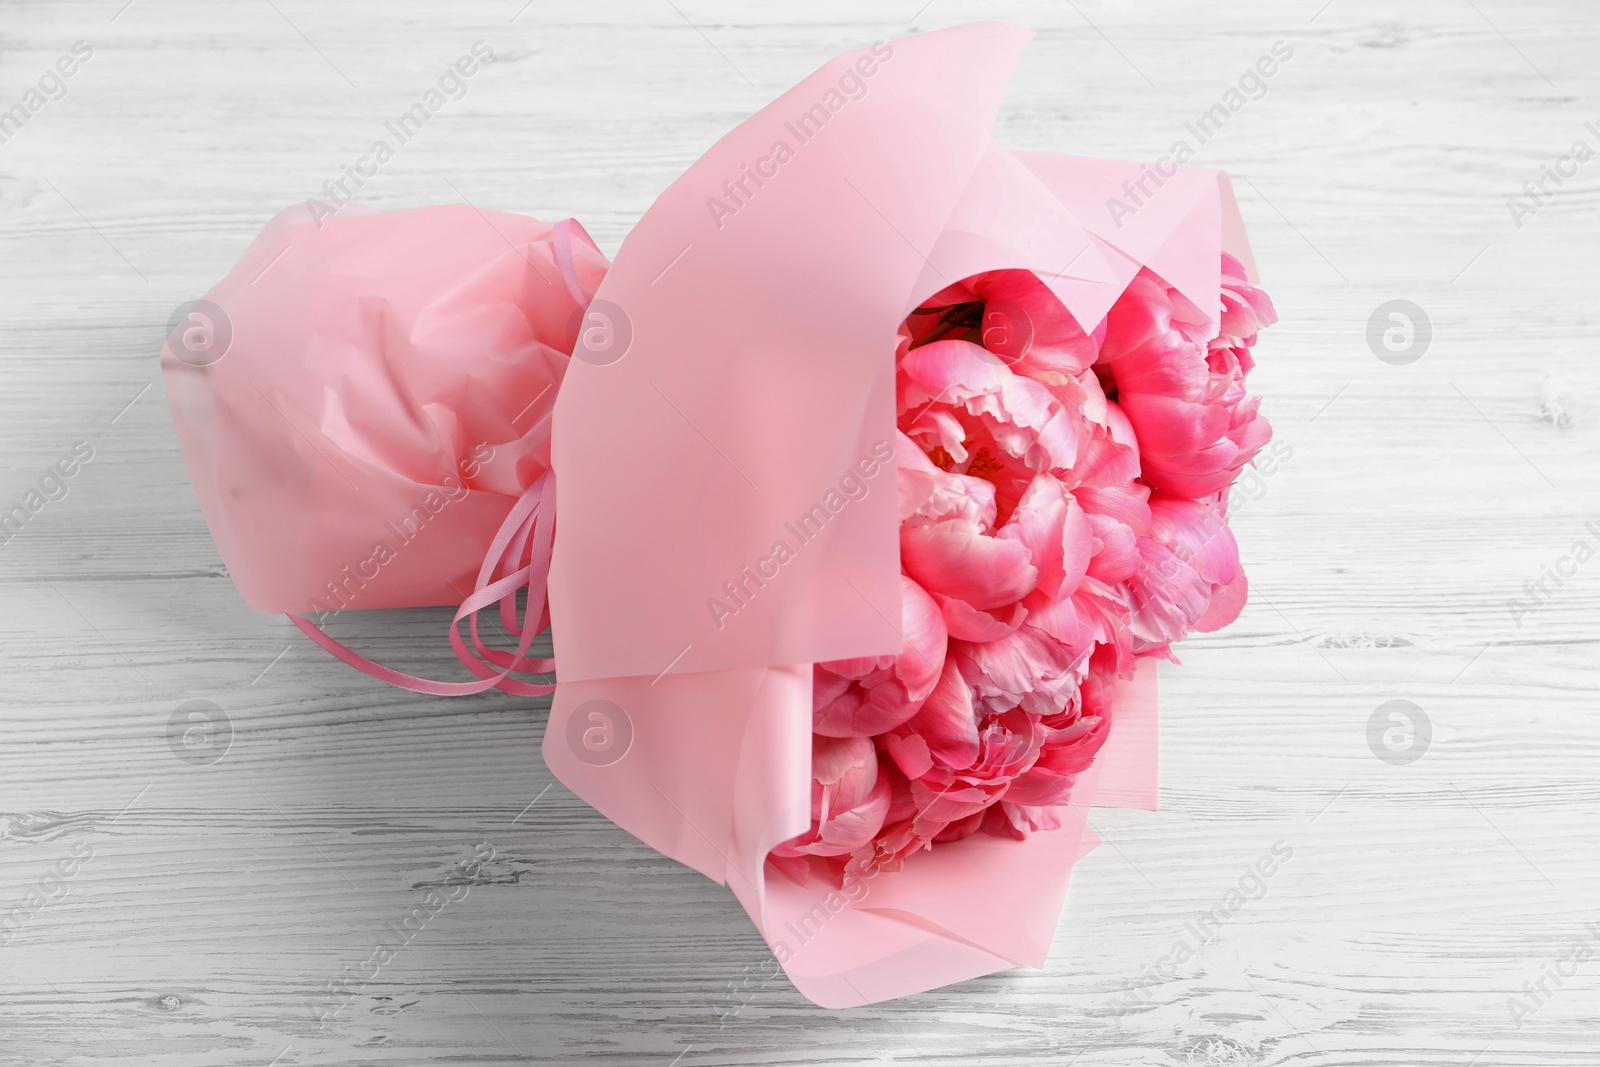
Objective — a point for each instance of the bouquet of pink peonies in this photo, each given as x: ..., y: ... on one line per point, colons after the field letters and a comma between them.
x: 887, y: 463
x: 1062, y: 512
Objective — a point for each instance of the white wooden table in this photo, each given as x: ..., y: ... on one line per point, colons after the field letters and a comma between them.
x: 196, y: 909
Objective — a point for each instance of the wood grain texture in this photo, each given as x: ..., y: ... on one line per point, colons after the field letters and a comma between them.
x: 1384, y: 556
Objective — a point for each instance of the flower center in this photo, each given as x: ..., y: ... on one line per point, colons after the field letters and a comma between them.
x: 985, y: 465
x: 958, y: 319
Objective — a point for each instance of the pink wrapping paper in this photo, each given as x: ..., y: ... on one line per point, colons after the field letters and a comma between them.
x: 382, y: 363
x: 792, y: 302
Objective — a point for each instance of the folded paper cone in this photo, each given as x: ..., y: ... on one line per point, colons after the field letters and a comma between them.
x: 895, y: 195
x: 728, y: 371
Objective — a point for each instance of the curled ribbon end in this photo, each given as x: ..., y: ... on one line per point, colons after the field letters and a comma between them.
x: 518, y: 559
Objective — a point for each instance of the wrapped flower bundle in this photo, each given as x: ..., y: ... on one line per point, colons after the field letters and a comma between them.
x: 887, y: 461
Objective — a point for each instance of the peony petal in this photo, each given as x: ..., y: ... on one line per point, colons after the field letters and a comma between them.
x: 887, y: 690
x: 1226, y: 603
x: 837, y: 717
x: 1196, y: 531
x: 910, y: 753
x: 851, y: 762
x: 957, y: 560
x: 1055, y: 343
x: 1141, y: 313
x: 1168, y: 596
x: 1116, y: 554
x: 922, y: 626
x: 856, y: 827
x: 946, y: 721
x: 1002, y: 673
x: 1037, y: 523
x: 967, y: 623
x: 952, y: 370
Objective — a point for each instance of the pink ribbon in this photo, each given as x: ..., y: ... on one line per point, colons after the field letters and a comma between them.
x: 525, y: 537
x: 518, y: 559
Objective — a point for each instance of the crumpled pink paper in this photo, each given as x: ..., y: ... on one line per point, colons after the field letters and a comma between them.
x: 384, y: 399
x: 740, y: 364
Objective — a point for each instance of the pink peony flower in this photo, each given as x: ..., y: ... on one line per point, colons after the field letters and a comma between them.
x: 1015, y: 317
x: 1003, y: 773
x: 1196, y: 425
x: 973, y: 415
x: 978, y: 570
